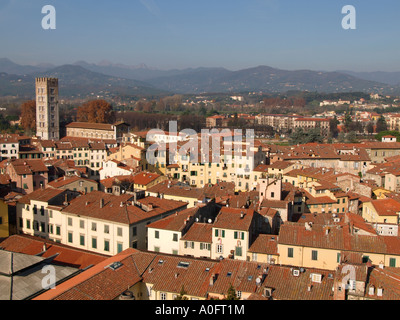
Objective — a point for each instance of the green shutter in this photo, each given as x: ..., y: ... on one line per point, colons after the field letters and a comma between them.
x: 242, y: 235
x: 223, y: 233
x: 235, y: 235
x: 216, y: 232
x: 392, y: 262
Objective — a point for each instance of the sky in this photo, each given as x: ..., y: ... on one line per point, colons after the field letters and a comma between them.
x: 178, y: 34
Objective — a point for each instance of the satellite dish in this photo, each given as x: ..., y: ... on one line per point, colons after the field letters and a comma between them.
x: 258, y: 280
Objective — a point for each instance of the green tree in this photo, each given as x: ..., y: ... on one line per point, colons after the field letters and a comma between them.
x: 370, y: 128
x: 347, y: 122
x: 351, y: 137
x: 387, y: 133
x: 231, y: 294
x: 381, y: 124
x: 182, y: 294
x: 299, y: 136
x: 333, y: 127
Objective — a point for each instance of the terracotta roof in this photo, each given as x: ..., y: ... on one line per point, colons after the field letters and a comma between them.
x: 101, y: 282
x: 120, y: 208
x: 63, y: 181
x: 231, y: 218
x: 199, y: 232
x: 88, y: 125
x: 178, y: 189
x: 66, y: 255
x: 174, y: 222
x: 5, y: 179
x: 43, y: 195
x: 386, y: 207
x: 144, y: 178
x: 338, y: 238
x: 286, y: 286
x: 265, y: 244
x: 28, y: 166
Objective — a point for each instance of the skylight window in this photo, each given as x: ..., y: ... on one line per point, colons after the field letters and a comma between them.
x: 115, y: 265
x: 183, y: 264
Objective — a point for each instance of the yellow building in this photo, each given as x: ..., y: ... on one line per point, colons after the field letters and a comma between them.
x: 381, y: 211
x: 318, y: 246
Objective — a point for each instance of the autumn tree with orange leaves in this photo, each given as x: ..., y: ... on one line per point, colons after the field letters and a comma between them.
x: 96, y: 111
x: 28, y: 115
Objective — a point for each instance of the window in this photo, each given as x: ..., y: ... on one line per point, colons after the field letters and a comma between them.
x: 106, y: 245
x: 220, y: 233
x: 175, y: 237
x: 290, y: 252
x: 70, y: 222
x: 220, y: 248
x: 119, y: 247
x: 119, y: 232
x: 70, y: 237
x: 392, y: 262
x: 189, y: 244
x: 239, y: 294
x: 134, y: 231
x: 82, y: 240
x: 58, y: 230
x: 238, y: 251
x: 82, y: 224
x: 238, y: 235
x: 94, y: 243
x: 42, y: 227
x: 163, y: 296
x: 254, y: 256
x: 106, y: 228
x: 338, y: 258
x: 157, y: 234
x: 94, y: 226
x: 314, y: 255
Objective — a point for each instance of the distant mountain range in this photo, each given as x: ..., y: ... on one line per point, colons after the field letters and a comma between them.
x: 83, y: 79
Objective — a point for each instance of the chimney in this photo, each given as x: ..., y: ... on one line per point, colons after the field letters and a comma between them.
x: 371, y: 290
x: 242, y: 214
x: 44, y: 246
x: 66, y: 200
x: 121, y: 204
x: 212, y: 279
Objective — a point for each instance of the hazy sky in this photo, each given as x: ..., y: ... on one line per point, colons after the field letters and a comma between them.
x: 235, y: 34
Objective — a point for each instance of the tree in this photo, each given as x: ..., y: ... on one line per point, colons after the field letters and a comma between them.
x: 96, y: 111
x: 231, y: 294
x: 333, y: 127
x: 351, y: 137
x: 28, y: 115
x: 381, y: 124
x: 182, y: 294
x: 370, y: 127
x: 299, y: 136
x: 348, y: 122
x: 388, y: 133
